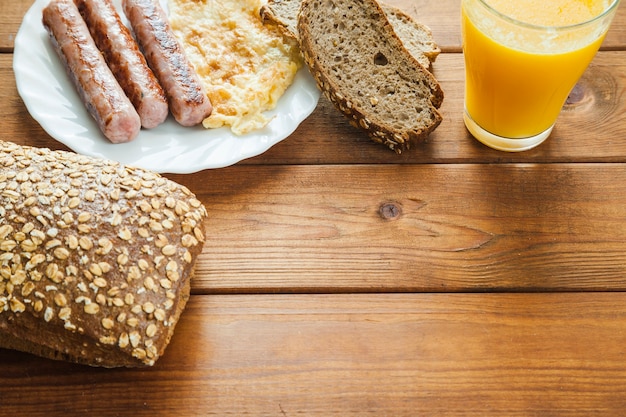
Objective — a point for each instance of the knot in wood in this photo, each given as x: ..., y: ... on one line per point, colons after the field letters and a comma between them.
x: 389, y: 211
x: 577, y: 95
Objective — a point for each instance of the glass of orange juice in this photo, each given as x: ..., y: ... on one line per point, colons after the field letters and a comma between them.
x: 522, y: 59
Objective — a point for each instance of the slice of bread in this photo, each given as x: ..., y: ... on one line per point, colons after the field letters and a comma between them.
x: 284, y: 14
x: 361, y: 65
x: 416, y: 37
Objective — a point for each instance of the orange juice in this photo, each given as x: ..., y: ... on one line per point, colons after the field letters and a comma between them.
x: 521, y: 62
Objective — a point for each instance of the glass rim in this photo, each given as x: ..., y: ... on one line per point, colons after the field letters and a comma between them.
x: 527, y: 25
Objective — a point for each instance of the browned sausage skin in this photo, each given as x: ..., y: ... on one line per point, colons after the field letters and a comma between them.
x: 188, y: 101
x: 104, y: 98
x: 125, y: 60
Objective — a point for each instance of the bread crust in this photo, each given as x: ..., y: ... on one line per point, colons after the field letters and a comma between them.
x: 360, y: 95
x: 283, y: 14
x: 416, y: 37
x: 95, y: 257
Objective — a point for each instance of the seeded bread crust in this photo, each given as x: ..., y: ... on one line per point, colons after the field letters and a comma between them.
x: 416, y: 37
x: 361, y: 65
x: 95, y: 257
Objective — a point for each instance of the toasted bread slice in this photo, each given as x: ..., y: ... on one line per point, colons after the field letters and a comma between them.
x: 415, y: 36
x: 361, y: 65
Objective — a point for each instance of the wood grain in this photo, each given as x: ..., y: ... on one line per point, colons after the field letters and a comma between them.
x: 413, y: 228
x: 355, y: 355
x: 443, y: 17
x: 11, y: 13
x: 588, y: 129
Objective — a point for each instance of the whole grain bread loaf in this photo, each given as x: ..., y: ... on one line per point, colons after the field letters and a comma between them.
x: 362, y: 66
x: 416, y: 37
x: 95, y: 257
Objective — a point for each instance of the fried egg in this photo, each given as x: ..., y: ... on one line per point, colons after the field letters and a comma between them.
x: 245, y: 66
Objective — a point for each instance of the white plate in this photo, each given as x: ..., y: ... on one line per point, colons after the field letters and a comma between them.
x: 54, y: 103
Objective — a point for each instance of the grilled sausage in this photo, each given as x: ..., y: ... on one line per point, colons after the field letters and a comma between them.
x: 104, y: 98
x: 122, y: 54
x: 188, y: 101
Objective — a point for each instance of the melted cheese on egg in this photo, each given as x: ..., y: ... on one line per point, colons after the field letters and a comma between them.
x: 245, y: 66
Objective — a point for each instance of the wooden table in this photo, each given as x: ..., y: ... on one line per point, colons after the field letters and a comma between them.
x: 342, y: 279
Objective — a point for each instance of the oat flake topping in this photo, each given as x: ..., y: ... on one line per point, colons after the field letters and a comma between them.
x: 95, y: 248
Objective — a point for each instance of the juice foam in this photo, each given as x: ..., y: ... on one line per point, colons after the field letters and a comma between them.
x: 550, y: 12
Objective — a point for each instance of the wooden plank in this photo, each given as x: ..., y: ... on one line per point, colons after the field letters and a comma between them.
x: 588, y: 128
x: 399, y: 355
x: 11, y: 15
x: 443, y: 17
x: 340, y: 227
x: 413, y: 228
